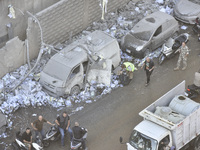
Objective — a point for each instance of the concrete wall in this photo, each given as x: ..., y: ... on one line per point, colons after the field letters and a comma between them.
x: 64, y: 18
x: 12, y: 55
x: 57, y: 21
x: 19, y: 24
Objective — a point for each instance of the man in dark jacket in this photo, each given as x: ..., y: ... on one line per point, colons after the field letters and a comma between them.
x: 27, y: 138
x: 148, y: 67
x: 63, y: 122
x: 78, y: 133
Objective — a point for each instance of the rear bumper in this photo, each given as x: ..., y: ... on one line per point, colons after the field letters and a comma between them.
x: 184, y: 18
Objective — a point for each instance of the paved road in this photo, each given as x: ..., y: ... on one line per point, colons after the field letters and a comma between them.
x: 116, y: 114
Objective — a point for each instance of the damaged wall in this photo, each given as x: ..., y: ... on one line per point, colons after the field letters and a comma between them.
x: 12, y: 55
x: 11, y: 27
x: 65, y: 18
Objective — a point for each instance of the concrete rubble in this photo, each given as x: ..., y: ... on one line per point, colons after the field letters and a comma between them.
x: 30, y: 93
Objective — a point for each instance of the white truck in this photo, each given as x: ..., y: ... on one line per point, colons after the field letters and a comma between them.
x: 171, y: 122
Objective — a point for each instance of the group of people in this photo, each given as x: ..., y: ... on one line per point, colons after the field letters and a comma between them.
x: 148, y: 65
x: 128, y: 69
x: 63, y: 123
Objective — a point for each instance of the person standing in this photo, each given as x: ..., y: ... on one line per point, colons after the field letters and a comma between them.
x: 38, y: 126
x: 63, y: 122
x: 27, y: 138
x: 148, y: 67
x: 184, y: 51
x: 78, y: 133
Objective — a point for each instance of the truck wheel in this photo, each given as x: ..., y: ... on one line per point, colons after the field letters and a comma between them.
x: 75, y: 90
x: 197, y: 143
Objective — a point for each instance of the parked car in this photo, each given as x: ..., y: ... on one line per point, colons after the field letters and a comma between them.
x: 149, y: 34
x: 187, y: 10
x: 66, y: 71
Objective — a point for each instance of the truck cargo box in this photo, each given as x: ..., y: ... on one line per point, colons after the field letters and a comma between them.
x: 187, y: 129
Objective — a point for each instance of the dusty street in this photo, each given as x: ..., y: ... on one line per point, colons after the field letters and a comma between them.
x: 116, y: 114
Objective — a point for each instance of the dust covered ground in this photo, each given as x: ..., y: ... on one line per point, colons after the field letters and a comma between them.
x: 114, y: 114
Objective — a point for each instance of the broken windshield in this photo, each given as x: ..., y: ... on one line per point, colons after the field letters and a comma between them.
x: 142, y: 142
x: 57, y: 70
x: 144, y: 36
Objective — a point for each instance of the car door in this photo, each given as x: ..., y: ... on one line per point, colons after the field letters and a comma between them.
x: 75, y: 78
x: 156, y: 38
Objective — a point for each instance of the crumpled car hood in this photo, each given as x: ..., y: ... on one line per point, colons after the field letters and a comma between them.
x: 133, y: 43
x: 185, y: 7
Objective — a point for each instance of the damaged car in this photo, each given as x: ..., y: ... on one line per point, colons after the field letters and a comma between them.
x: 187, y: 10
x: 67, y: 71
x: 149, y: 34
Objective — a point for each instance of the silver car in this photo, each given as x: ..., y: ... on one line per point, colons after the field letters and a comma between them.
x: 149, y: 34
x: 187, y: 10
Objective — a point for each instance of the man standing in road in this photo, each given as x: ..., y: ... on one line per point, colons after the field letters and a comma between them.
x: 38, y: 126
x: 27, y: 138
x: 184, y: 51
x: 148, y: 67
x: 63, y: 122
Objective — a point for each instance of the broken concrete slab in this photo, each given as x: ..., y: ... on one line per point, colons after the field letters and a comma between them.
x: 101, y: 72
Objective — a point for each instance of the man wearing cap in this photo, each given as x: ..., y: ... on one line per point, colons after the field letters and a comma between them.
x: 127, y: 69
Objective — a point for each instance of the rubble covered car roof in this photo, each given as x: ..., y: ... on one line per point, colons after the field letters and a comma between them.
x: 68, y: 62
x: 99, y: 40
x: 151, y: 22
x: 187, y: 10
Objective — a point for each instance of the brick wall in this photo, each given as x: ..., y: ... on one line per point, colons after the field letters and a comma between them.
x: 64, y: 18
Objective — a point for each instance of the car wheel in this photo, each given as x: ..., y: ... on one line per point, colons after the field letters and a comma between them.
x: 75, y: 90
x: 161, y: 58
x: 46, y: 143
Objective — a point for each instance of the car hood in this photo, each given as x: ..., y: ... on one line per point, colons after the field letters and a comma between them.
x: 47, y: 80
x: 134, y: 43
x: 187, y: 8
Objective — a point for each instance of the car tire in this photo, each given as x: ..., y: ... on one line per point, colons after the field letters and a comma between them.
x: 161, y: 58
x: 75, y: 90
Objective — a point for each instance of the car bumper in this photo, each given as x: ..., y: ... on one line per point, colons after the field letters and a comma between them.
x: 134, y: 53
x: 184, y: 18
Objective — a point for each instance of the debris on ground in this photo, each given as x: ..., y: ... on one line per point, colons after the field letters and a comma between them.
x: 30, y: 92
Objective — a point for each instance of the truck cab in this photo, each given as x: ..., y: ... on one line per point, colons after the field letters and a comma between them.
x: 149, y: 136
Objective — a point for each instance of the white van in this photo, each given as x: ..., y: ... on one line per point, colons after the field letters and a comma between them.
x: 64, y: 72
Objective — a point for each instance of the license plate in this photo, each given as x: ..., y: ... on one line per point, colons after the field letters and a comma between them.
x: 128, y: 51
x: 186, y: 94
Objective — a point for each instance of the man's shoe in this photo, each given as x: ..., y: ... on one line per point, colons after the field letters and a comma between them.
x: 146, y: 84
x: 183, y: 68
x: 177, y: 68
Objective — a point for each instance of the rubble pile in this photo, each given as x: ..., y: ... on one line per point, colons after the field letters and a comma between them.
x: 30, y: 93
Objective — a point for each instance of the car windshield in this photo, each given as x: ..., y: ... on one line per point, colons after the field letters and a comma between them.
x: 142, y: 142
x: 57, y: 70
x: 195, y: 1
x: 144, y: 36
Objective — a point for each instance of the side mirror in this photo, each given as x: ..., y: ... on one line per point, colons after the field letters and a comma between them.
x: 121, y: 139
